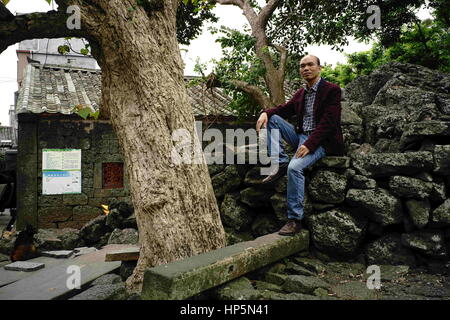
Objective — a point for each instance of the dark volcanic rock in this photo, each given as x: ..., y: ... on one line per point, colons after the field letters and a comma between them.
x: 442, y: 159
x: 327, y: 186
x: 226, y: 181
x: 95, y: 229
x: 428, y: 242
x: 362, y: 182
x: 419, y: 211
x: 336, y: 232
x: 125, y: 236
x: 389, y: 250
x: 263, y: 225
x: 410, y: 187
x: 378, y: 204
x: 441, y: 215
x: 235, y: 214
x: 387, y: 164
x: 304, y: 284
x: 418, y: 131
x: 255, y: 198
x: 279, y: 205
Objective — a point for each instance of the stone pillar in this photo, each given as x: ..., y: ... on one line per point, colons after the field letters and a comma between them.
x: 27, y: 157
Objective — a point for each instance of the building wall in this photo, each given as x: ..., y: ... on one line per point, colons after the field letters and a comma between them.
x: 46, y: 51
x: 98, y: 144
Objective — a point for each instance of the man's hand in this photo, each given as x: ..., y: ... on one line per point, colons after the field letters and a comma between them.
x: 302, y: 151
x: 262, y: 121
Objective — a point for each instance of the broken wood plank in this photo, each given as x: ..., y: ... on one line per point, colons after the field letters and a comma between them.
x: 129, y: 254
x: 51, y: 283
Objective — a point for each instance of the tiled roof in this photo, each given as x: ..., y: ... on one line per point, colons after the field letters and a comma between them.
x: 6, y: 133
x: 58, y: 89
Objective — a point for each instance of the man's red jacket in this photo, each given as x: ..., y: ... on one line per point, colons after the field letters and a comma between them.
x: 327, y: 117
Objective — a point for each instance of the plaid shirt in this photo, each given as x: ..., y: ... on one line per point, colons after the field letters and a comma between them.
x: 308, y: 118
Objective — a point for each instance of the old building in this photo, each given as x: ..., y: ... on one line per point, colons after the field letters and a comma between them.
x: 46, y: 122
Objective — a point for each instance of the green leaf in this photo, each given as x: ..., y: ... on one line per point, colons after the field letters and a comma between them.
x: 5, y: 2
x: 64, y: 49
x: 84, y: 113
x: 49, y: 1
x: 95, y: 114
x: 84, y: 51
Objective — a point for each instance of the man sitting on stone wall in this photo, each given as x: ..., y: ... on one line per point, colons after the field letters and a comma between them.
x: 318, y: 133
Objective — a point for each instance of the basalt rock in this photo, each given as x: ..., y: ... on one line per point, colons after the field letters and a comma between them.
x: 419, y: 211
x: 407, y: 187
x: 389, y: 250
x: 388, y: 164
x: 336, y: 232
x: 427, y: 242
x: 377, y: 204
x: 328, y: 187
x: 94, y: 230
x: 441, y: 215
x: 235, y: 214
x: 442, y: 159
x: 226, y: 181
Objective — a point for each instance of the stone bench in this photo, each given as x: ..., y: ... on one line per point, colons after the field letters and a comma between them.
x: 184, y: 278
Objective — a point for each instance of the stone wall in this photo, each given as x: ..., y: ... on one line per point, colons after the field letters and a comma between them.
x: 98, y: 145
x: 388, y: 200
x: 380, y: 208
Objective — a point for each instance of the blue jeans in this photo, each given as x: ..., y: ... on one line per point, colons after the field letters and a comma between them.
x: 296, y: 178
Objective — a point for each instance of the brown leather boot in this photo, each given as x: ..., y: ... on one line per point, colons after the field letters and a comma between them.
x: 274, y: 176
x: 290, y: 228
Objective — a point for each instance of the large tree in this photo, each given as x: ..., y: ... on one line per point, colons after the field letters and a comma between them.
x: 143, y: 91
x: 256, y: 62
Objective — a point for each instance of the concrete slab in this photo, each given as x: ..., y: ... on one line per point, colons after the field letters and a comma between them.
x: 185, y: 278
x: 8, y: 276
x: 58, y: 254
x: 24, y: 266
x: 51, y: 283
x: 84, y: 250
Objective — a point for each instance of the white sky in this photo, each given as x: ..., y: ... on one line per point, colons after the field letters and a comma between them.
x: 203, y: 47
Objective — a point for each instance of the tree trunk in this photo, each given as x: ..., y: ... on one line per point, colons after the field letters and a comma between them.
x: 143, y: 85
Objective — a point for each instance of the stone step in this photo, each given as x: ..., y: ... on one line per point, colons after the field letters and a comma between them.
x: 129, y: 254
x: 51, y: 283
x: 184, y: 278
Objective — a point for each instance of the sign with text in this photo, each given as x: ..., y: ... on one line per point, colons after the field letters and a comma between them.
x: 61, y: 171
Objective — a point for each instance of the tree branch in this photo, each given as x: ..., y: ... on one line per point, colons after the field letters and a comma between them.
x: 50, y: 24
x: 238, y: 3
x: 283, y: 59
x: 266, y: 12
x: 5, y: 14
x: 256, y: 93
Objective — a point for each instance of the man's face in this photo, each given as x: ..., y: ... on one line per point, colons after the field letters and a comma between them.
x: 309, y: 69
